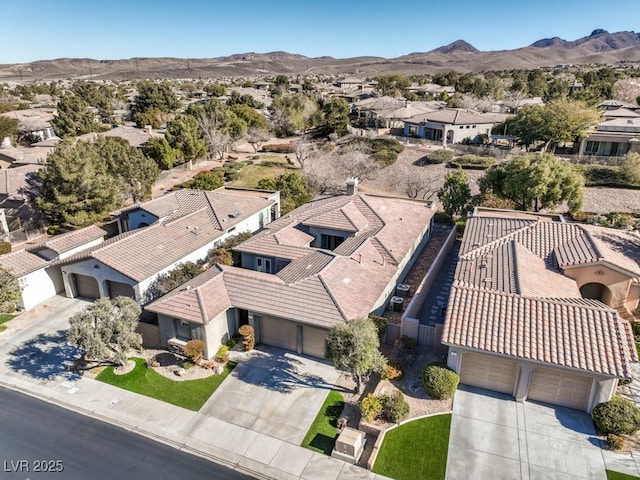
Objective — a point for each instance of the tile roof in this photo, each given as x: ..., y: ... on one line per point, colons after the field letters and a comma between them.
x: 199, y: 301
x: 70, y: 240
x: 320, y: 287
x: 200, y: 218
x: 22, y: 262
x: 568, y: 334
x: 511, y: 297
x: 12, y: 180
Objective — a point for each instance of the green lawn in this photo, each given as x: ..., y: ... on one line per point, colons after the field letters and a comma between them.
x: 323, y: 432
x: 417, y: 449
x: 620, y: 476
x: 189, y: 394
x: 249, y: 176
x: 5, y: 317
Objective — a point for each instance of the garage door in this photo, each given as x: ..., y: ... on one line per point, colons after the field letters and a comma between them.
x: 86, y: 286
x: 560, y: 388
x: 278, y: 333
x: 313, y: 341
x: 118, y: 289
x: 486, y: 371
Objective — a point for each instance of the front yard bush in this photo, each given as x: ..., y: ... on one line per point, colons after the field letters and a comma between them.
x: 440, y: 156
x: 393, y: 369
x: 222, y: 353
x: 618, y: 415
x: 439, y: 381
x: 370, y: 407
x: 615, y: 442
x: 193, y: 349
x: 473, y: 162
x: 394, y: 407
x: 604, y: 176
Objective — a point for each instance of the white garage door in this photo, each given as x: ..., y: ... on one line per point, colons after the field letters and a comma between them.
x: 278, y: 333
x: 486, y: 371
x: 313, y: 341
x: 86, y: 286
x: 118, y: 289
x: 560, y: 388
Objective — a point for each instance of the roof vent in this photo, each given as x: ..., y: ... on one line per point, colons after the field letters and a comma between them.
x: 235, y: 214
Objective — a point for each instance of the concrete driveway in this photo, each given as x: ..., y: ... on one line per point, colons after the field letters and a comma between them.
x: 493, y: 436
x: 274, y: 392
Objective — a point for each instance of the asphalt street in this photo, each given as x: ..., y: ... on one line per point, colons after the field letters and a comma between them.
x: 42, y: 441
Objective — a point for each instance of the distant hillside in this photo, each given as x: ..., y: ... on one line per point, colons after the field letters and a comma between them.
x: 599, y: 47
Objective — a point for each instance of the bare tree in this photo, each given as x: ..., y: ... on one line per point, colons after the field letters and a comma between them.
x: 415, y: 182
x: 304, y: 150
x: 256, y: 136
x: 217, y: 138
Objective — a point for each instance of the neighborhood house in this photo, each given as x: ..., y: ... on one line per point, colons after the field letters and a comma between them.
x: 538, y: 308
x: 332, y: 260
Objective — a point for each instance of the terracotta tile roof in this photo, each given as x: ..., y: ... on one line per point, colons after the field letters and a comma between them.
x: 149, y: 250
x: 320, y: 287
x: 22, y: 262
x: 570, y: 334
x: 311, y: 264
x: 347, y: 218
x: 199, y: 301
x: 510, y: 296
x: 70, y: 240
x: 305, y: 301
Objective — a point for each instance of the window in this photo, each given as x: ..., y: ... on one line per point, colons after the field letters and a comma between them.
x: 592, y: 148
x: 263, y: 265
x: 413, y: 131
x: 330, y: 242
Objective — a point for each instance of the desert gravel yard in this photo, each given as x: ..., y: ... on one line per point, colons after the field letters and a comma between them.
x: 391, y: 181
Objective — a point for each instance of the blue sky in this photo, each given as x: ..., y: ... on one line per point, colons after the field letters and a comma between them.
x: 115, y: 29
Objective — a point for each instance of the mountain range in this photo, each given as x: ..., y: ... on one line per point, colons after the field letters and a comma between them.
x: 600, y: 47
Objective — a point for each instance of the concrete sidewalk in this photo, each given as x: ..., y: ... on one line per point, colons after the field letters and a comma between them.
x: 244, y: 450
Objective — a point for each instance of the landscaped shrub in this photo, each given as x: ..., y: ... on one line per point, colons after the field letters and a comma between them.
x: 222, y: 353
x: 604, y: 176
x: 636, y: 329
x: 615, y: 442
x: 381, y: 323
x: 232, y: 342
x: 440, y: 156
x: 193, y: 349
x: 5, y: 247
x: 370, y: 407
x: 618, y: 415
x: 439, y: 381
x: 473, y: 162
x: 393, y: 369
x: 249, y: 339
x: 404, y: 349
x: 394, y: 407
x: 279, y: 148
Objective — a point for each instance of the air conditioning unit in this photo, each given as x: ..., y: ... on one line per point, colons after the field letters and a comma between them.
x: 402, y: 290
x: 396, y: 303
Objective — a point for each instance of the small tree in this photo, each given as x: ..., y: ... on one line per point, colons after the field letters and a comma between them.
x: 9, y: 291
x: 106, y: 330
x: 631, y: 167
x: 249, y: 338
x: 455, y: 193
x: 355, y: 347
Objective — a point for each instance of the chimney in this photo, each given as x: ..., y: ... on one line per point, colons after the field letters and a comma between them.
x: 352, y: 185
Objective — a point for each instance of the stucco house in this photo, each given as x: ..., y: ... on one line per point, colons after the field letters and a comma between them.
x: 614, y: 136
x: 449, y: 125
x: 537, y: 305
x: 332, y: 260
x: 159, y: 234
x: 35, y: 266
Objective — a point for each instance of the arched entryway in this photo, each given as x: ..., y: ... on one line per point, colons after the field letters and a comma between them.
x: 596, y: 291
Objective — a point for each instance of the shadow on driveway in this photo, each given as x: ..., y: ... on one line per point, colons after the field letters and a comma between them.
x: 45, y: 357
x: 280, y: 373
